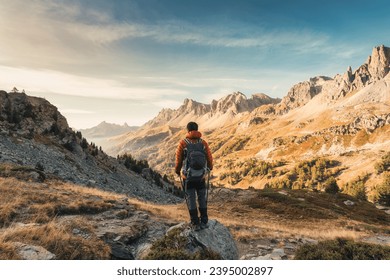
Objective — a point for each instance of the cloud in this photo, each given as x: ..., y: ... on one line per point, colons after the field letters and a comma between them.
x: 181, y: 32
x: 72, y: 85
x: 54, y: 21
x: 76, y: 111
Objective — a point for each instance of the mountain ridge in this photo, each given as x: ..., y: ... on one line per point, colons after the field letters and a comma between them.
x: 223, y: 109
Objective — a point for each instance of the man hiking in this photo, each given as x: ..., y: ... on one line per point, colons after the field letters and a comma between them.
x: 193, y: 162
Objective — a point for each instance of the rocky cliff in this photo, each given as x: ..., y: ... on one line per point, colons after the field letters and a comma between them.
x: 332, y: 89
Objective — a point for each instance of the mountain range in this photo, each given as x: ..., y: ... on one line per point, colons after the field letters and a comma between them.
x: 345, y: 118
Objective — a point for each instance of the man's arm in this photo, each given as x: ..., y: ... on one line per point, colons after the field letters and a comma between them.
x: 209, y: 156
x: 179, y: 156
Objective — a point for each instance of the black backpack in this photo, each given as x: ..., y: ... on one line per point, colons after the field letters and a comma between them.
x: 195, y: 162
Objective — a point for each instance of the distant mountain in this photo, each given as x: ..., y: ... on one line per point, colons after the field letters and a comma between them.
x: 105, y: 129
x: 100, y: 135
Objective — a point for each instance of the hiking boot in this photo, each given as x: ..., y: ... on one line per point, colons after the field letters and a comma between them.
x: 204, y: 225
x: 203, y: 215
x: 194, y: 217
x: 196, y: 227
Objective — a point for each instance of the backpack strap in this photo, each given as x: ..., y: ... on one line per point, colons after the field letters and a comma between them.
x: 188, y: 141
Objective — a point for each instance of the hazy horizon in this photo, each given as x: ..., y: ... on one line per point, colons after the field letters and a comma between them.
x: 124, y: 61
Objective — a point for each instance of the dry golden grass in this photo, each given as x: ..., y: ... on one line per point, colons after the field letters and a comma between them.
x: 57, y: 239
x: 361, y: 138
x: 7, y: 250
x: 30, y: 213
x: 253, y: 215
x: 176, y: 212
x: 285, y: 218
x: 25, y: 201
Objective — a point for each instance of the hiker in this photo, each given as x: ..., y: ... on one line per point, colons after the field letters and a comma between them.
x: 193, y: 164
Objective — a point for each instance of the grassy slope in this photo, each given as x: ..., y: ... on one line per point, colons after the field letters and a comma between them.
x: 30, y: 212
x: 249, y: 214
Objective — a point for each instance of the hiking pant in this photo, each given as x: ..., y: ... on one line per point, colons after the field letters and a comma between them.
x: 196, y: 191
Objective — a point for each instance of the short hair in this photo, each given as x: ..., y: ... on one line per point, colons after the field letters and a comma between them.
x: 192, y: 126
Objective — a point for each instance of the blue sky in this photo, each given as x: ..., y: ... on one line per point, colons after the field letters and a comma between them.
x: 123, y: 61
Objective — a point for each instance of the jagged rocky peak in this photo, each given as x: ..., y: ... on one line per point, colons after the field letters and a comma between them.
x: 191, y: 106
x: 163, y: 117
x: 379, y: 62
x: 228, y: 102
x: 265, y: 98
x: 303, y: 92
x: 237, y: 102
x: 376, y: 67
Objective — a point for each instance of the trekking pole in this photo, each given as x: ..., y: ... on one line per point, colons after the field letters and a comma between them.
x: 208, y: 185
x: 184, y: 187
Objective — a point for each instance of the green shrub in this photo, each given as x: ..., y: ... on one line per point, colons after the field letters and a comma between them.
x: 252, y: 167
x: 356, y: 188
x: 384, y: 190
x: 342, y: 249
x: 283, y: 183
x: 313, y: 174
x: 330, y: 185
x: 133, y: 164
x: 383, y: 165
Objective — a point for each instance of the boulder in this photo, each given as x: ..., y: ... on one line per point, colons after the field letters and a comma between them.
x: 216, y: 238
x: 31, y: 252
x: 182, y: 242
x: 349, y: 203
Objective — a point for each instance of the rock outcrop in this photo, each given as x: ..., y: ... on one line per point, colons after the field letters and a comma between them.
x: 302, y: 93
x: 29, y: 116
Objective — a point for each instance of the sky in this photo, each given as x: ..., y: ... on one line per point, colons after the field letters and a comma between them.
x: 124, y: 60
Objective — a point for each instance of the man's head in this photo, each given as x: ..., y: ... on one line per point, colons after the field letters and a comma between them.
x: 192, y: 126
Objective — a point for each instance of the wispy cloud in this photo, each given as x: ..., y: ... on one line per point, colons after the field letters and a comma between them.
x: 180, y: 32
x: 72, y: 85
x: 76, y: 111
x: 50, y: 18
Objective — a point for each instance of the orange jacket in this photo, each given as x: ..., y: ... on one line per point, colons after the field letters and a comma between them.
x: 193, y: 136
